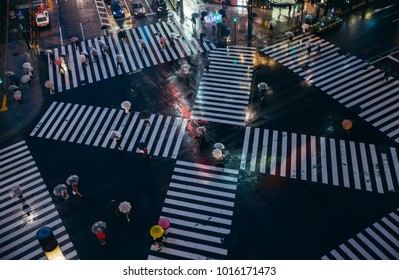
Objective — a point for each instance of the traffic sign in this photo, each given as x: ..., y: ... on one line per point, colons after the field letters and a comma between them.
x: 19, y: 13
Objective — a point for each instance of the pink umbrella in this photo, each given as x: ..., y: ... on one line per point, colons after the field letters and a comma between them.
x: 164, y: 223
x: 74, y: 39
x: 163, y: 39
x: 58, y: 62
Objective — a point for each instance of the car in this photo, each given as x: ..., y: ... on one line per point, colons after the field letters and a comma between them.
x: 138, y: 9
x: 117, y: 10
x: 42, y: 19
x: 161, y: 7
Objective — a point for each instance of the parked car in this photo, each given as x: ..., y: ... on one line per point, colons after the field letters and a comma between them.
x: 117, y: 10
x: 138, y: 9
x: 161, y: 7
x: 42, y: 19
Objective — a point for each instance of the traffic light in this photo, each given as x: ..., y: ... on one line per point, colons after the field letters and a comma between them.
x: 235, y: 19
x: 1, y: 81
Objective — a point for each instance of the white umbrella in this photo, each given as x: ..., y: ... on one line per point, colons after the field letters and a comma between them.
x: 273, y: 23
x: 200, y: 130
x: 25, y: 79
x: 48, y: 84
x: 115, y: 135
x: 185, y: 66
x: 26, y: 65
x: 82, y: 58
x: 72, y: 179
x: 100, y: 225
x: 217, y: 153
x: 18, y: 95
x: 126, y: 105
x: 9, y: 73
x: 173, y: 35
x: 219, y: 146
x: 125, y: 207
x: 289, y: 33
x: 60, y: 189
x: 305, y: 26
x: 84, y: 53
x: 262, y: 85
x: 12, y: 87
x: 140, y: 41
x: 101, y: 42
x: 119, y: 58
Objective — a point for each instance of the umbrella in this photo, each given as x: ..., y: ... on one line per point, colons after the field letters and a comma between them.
x: 224, y: 7
x: 185, y: 66
x: 48, y: 84
x: 84, y: 53
x: 156, y: 231
x: 173, y: 35
x: 204, y: 14
x: 60, y: 189
x: 219, y: 146
x: 9, y: 73
x: 305, y: 26
x: 142, y: 145
x: 194, y: 15
x: 72, y: 179
x: 346, y: 124
x: 125, y: 207
x: 140, y: 41
x: 163, y: 39
x: 26, y: 65
x: 164, y: 223
x: 74, y: 39
x: 289, y: 33
x: 12, y: 87
x: 217, y: 153
x: 91, y: 49
x: 25, y: 78
x: 309, y: 17
x: 272, y: 23
x: 82, y: 58
x: 386, y: 69
x: 262, y: 85
x: 126, y: 105
x: 104, y: 27
x: 222, y: 12
x: 200, y: 130
x: 100, y: 225
x: 58, y: 62
x: 48, y: 51
x: 122, y: 34
x: 101, y: 42
x: 115, y: 134
x: 18, y: 95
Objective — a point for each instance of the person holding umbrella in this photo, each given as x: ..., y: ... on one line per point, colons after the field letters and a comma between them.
x: 73, y: 181
x: 157, y: 234
x: 119, y: 60
x: 98, y: 229
x: 117, y: 137
x: 125, y: 207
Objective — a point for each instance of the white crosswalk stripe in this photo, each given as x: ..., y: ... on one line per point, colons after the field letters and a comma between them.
x: 18, y: 223
x: 77, y: 74
x: 224, y: 92
x: 92, y: 126
x: 318, y: 159
x: 199, y: 205
x: 347, y: 79
x: 379, y: 241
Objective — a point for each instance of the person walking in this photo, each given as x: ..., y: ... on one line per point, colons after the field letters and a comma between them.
x: 104, y: 49
x: 142, y: 46
x: 147, y: 122
x: 309, y: 50
x: 73, y: 181
x: 117, y: 137
x: 319, y: 50
x: 119, y: 60
x: 207, y: 63
x: 101, y: 237
x: 158, y: 242
x: 51, y: 55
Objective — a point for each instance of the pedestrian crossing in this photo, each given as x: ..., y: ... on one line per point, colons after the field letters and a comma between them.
x: 350, y: 164
x: 90, y: 125
x: 199, y: 204
x: 346, y: 78
x: 377, y: 242
x: 135, y: 56
x: 223, y: 94
x: 18, y: 225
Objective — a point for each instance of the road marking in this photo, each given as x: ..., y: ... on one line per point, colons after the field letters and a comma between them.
x: 83, y: 34
x: 62, y: 44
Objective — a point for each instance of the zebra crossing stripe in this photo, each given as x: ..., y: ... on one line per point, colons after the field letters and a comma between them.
x: 72, y: 66
x: 17, y: 227
x: 196, y: 189
x: 92, y: 126
x: 339, y: 162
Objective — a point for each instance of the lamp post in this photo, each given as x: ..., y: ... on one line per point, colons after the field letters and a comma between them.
x: 249, y: 19
x: 235, y: 29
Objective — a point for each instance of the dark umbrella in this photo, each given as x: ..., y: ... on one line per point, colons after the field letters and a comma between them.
x: 222, y: 12
x: 204, y: 14
x: 104, y: 27
x: 122, y: 34
x: 194, y: 15
x: 142, y: 145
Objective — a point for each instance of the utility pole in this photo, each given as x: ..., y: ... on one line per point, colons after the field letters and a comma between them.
x: 249, y: 7
x: 235, y: 29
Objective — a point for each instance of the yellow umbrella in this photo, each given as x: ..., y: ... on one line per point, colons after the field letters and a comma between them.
x: 156, y: 231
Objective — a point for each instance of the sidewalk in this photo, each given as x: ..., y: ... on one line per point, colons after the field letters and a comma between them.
x: 17, y: 117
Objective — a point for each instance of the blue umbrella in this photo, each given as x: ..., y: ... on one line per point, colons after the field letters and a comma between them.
x: 222, y: 12
x: 308, y: 17
x: 72, y: 179
x: 194, y: 15
x: 204, y: 14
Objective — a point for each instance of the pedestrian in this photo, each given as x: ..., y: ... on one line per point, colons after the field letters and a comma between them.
x: 51, y: 55
x: 104, y: 49
x: 65, y: 195
x: 95, y: 55
x: 18, y: 96
x: 290, y: 40
x: 101, y: 237
x: 271, y: 28
x: 207, y: 63
x: 289, y: 10
x: 147, y: 122
x: 119, y: 60
x: 142, y: 46
x: 75, y: 189
x: 117, y: 137
x: 144, y: 152
x: 201, y: 134
x: 319, y: 50
x: 386, y: 76
x: 309, y: 50
x: 172, y: 42
x: 158, y: 243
